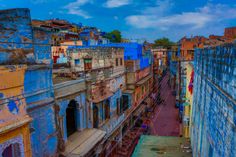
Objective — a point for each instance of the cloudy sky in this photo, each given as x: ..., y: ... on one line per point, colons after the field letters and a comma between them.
x: 138, y: 19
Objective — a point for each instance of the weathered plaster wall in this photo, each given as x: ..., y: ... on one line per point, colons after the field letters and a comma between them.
x: 141, y: 92
x: 134, y: 77
x: 214, y: 113
x: 15, y: 29
x: 188, y: 104
x: 43, y: 135
x: 81, y: 112
x: 101, y: 57
x: 20, y: 136
x: 42, y: 47
x: 12, y: 101
x: 40, y: 106
x: 113, y: 102
x: 117, y: 83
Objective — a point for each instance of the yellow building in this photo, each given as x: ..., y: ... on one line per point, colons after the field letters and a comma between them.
x: 188, y: 101
x: 14, y: 121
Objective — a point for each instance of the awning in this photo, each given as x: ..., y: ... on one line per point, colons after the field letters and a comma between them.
x: 80, y: 143
x: 144, y: 80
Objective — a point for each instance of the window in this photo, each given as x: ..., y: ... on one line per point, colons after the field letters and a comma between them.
x: 77, y: 61
x: 137, y: 96
x: 125, y: 102
x: 87, y: 64
x: 13, y: 150
x: 121, y: 61
x: 116, y: 61
x: 118, y: 106
x: 107, y: 109
x: 146, y: 87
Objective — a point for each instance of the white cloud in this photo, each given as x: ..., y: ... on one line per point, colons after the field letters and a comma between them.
x: 160, y: 7
x: 199, y: 18
x: 75, y: 8
x: 116, y: 3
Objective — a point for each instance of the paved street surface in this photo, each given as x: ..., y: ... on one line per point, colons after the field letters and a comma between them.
x: 165, y: 120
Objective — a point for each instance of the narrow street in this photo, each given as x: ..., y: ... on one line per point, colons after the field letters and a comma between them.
x: 165, y: 121
x: 117, y: 78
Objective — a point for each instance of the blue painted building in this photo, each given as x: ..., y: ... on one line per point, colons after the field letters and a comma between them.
x: 92, y: 36
x: 73, y: 110
x: 25, y: 45
x: 134, y: 51
x: 213, y: 115
x: 15, y: 30
x: 40, y: 106
x: 40, y: 96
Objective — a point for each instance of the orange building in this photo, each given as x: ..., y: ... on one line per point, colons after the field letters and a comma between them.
x: 14, y: 121
x: 230, y: 33
x: 187, y: 46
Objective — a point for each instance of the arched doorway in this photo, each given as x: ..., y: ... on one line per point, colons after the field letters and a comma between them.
x: 71, y: 118
x: 95, y: 116
x: 12, y: 150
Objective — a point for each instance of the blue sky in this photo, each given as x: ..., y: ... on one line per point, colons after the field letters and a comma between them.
x: 146, y: 19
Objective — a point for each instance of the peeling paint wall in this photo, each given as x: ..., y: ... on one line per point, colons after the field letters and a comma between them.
x: 133, y: 77
x: 14, y: 121
x: 113, y: 103
x: 42, y: 48
x: 117, y: 83
x: 12, y: 101
x: 15, y: 29
x: 214, y: 108
x: 188, y: 101
x: 101, y: 57
x: 40, y: 106
x: 81, y: 113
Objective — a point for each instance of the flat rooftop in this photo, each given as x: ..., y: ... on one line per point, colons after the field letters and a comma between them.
x: 162, y: 146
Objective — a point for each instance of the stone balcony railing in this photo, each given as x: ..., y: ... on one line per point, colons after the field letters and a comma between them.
x: 112, y: 124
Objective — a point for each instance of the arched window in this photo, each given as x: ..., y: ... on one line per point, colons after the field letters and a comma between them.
x: 13, y: 150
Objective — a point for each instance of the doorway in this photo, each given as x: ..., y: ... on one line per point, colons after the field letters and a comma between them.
x: 12, y: 150
x: 95, y: 116
x: 107, y: 109
x: 71, y: 118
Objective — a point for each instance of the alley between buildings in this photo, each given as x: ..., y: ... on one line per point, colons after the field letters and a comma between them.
x: 165, y: 121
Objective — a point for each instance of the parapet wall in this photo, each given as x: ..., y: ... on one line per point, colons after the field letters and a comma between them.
x: 214, y: 106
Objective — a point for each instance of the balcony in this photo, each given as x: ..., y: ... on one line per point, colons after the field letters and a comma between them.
x: 98, y: 74
x: 132, y: 65
x: 100, y: 91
